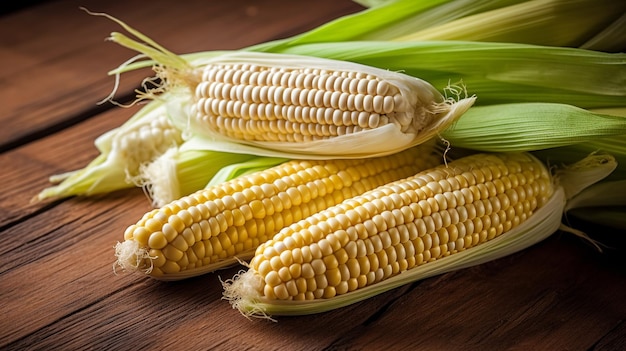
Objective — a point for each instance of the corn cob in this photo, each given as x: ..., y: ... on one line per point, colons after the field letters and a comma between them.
x: 146, y: 141
x: 224, y: 223
x: 263, y: 102
x: 382, y: 233
x: 299, y: 104
x: 308, y: 105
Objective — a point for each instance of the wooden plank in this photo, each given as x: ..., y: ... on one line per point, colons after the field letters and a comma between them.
x: 55, y: 60
x: 27, y: 168
x: 567, y: 303
x: 149, y: 313
x: 58, y: 289
x: 556, y: 295
x: 58, y: 263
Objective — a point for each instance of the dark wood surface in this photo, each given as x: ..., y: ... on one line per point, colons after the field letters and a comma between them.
x: 57, y: 286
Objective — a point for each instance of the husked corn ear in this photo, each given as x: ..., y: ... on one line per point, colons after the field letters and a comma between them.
x: 253, y: 102
x: 283, y: 98
x: 217, y: 226
x: 297, y: 104
x: 394, y: 228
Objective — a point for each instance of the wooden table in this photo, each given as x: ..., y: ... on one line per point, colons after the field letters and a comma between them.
x: 57, y: 286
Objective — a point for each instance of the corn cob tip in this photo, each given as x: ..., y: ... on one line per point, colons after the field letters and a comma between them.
x: 243, y: 291
x: 132, y: 258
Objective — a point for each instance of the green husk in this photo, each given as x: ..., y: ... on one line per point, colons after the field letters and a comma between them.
x: 603, y: 203
x: 495, y: 72
x: 611, y: 39
x: 541, y: 22
x: 235, y: 170
x: 178, y: 173
x: 371, y: 3
x: 531, y: 127
x: 612, y: 145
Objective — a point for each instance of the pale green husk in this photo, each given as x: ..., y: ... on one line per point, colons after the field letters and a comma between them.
x: 592, y: 24
x: 546, y: 22
x: 531, y: 127
x: 235, y: 170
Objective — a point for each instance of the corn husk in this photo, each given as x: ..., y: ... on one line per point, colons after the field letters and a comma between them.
x: 532, y: 127
x: 495, y: 73
x: 589, y: 24
x: 543, y: 22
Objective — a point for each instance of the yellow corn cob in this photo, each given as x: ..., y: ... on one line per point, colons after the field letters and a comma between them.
x: 217, y: 226
x: 394, y: 228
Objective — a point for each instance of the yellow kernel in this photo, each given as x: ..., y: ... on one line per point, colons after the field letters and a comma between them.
x: 172, y: 253
x: 330, y: 262
x: 284, y: 274
x: 177, y: 224
x: 272, y: 278
x: 353, y: 267
x: 141, y: 235
x: 329, y: 292
x: 321, y: 281
x: 152, y: 225
x: 333, y: 276
x: 281, y: 292
x: 364, y: 264
x: 157, y: 257
x: 180, y: 243
x: 318, y: 265
x: 170, y: 267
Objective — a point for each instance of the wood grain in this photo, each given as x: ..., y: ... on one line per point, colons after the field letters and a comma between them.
x: 58, y: 289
